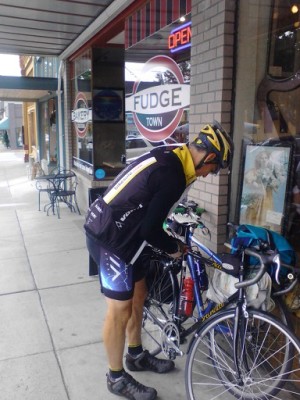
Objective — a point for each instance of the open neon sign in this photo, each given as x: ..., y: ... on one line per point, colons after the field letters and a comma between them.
x: 180, y: 38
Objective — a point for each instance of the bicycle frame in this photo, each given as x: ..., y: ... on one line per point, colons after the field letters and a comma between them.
x: 195, y: 269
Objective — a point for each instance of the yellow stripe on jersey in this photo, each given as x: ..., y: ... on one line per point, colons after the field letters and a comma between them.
x: 127, y: 178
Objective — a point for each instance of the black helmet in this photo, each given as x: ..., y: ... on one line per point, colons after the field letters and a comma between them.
x: 214, y: 139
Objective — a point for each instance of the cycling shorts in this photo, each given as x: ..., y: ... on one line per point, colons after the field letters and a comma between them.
x: 117, y: 278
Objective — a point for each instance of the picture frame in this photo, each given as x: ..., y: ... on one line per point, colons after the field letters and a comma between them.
x: 108, y: 105
x: 265, y: 185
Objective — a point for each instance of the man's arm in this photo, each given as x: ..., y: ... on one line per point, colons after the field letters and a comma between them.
x: 167, y: 186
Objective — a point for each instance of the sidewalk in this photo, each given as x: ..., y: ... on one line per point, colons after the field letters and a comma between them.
x: 51, y: 311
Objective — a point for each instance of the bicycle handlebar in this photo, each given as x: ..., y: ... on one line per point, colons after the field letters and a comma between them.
x: 264, y: 260
x: 190, y: 214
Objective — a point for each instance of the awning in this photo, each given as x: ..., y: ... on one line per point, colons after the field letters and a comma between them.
x: 35, y: 27
x: 4, y: 124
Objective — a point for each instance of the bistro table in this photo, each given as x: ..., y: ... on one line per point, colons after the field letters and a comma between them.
x: 60, y: 187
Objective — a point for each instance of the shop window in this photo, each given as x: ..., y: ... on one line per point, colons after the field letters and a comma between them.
x: 157, y: 82
x: 284, y: 58
x: 267, y: 114
x: 46, y: 67
x: 19, y: 137
x: 48, y: 134
x: 81, y: 114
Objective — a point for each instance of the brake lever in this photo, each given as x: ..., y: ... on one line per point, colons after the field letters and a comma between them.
x: 276, y: 260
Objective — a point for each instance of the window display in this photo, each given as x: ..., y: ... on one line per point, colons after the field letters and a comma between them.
x: 266, y: 171
x: 81, y: 115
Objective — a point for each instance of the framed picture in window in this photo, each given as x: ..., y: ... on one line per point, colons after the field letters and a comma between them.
x: 265, y: 185
x: 108, y: 105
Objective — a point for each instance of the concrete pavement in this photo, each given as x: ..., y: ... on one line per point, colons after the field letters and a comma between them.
x: 51, y: 311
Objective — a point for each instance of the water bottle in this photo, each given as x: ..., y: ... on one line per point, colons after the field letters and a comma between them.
x: 187, y: 297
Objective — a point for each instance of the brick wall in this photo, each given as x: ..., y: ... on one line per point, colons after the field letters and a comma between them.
x: 212, y: 69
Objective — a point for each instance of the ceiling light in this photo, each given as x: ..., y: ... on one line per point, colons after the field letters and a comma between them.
x: 294, y: 9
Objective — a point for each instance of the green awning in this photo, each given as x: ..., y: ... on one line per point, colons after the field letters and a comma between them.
x: 4, y: 124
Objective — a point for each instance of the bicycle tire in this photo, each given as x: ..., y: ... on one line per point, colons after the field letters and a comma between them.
x: 159, y: 307
x: 268, y: 360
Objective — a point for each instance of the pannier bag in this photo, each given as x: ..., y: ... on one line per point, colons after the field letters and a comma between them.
x: 221, y: 287
x: 255, y: 236
x: 222, y: 284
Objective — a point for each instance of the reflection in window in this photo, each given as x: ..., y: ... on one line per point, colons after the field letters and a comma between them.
x: 284, y: 58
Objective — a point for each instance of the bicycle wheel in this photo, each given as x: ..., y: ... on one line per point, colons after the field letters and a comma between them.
x: 158, y: 329
x: 267, y: 353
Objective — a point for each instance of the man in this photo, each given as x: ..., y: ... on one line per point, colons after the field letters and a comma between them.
x: 6, y: 139
x: 130, y: 214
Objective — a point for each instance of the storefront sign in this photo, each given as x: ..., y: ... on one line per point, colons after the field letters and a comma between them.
x: 81, y: 115
x: 180, y: 38
x: 157, y: 106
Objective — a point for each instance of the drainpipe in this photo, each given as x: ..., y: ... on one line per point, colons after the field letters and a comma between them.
x: 61, y: 131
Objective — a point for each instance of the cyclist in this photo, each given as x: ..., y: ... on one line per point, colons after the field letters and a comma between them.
x: 130, y: 213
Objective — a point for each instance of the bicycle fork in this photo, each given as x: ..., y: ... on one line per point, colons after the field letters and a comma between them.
x: 239, y: 343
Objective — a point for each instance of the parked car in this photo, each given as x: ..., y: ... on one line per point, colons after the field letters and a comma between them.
x: 137, y: 146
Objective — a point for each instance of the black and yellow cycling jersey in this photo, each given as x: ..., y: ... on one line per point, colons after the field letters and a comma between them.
x: 136, y: 203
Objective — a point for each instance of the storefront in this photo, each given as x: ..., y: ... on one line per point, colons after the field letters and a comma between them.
x: 236, y: 62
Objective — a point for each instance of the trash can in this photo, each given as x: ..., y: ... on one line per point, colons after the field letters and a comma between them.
x: 94, y: 193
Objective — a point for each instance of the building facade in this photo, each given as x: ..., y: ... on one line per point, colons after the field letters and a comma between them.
x: 232, y: 61
x: 40, y: 133
x: 11, y: 124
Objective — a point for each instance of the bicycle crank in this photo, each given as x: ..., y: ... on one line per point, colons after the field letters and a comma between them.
x: 170, y: 341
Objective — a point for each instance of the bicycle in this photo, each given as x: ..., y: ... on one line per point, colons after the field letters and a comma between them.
x: 234, y: 355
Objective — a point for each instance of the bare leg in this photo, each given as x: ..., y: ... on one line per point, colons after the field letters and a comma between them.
x: 146, y: 361
x: 117, y: 316
x: 134, y: 325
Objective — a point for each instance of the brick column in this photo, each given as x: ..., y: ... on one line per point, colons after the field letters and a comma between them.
x: 67, y: 115
x: 212, y: 62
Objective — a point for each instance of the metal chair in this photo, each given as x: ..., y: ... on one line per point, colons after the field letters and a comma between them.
x: 44, y: 186
x: 66, y: 186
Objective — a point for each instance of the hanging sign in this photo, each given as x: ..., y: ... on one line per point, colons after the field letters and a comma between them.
x: 180, y: 38
x: 81, y: 115
x: 157, y: 106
